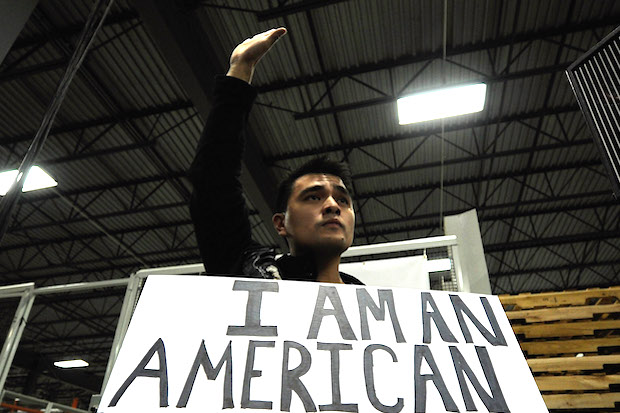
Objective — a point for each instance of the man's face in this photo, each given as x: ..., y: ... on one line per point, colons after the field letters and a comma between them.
x: 319, y: 216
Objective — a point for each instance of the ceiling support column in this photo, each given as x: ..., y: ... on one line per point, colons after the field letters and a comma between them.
x: 13, y: 18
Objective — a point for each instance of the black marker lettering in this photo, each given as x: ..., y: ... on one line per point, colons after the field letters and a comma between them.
x: 496, y: 339
x: 423, y: 352
x: 444, y: 331
x: 320, y: 311
x: 202, y: 359
x: 369, y: 375
x: 365, y: 301
x: 252, y: 325
x: 336, y: 404
x: 494, y: 402
x: 141, y: 371
x: 291, y: 378
x: 246, y: 403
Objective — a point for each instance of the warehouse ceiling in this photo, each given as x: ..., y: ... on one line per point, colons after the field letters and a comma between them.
x: 125, y: 134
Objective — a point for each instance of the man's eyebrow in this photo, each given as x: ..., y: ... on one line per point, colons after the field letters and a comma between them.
x: 313, y: 188
x: 343, y: 190
x: 316, y: 188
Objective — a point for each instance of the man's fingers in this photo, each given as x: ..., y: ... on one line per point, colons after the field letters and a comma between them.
x: 253, y: 49
x: 279, y: 32
x: 276, y: 35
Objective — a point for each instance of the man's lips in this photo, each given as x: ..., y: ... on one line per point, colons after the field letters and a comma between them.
x: 333, y: 221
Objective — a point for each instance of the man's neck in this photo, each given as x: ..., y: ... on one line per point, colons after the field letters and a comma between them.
x: 326, y: 264
x: 327, y: 270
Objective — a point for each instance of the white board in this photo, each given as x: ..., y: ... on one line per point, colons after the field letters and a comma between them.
x: 408, y: 272
x: 302, y: 346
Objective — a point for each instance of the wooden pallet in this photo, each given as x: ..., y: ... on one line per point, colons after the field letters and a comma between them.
x: 572, y: 344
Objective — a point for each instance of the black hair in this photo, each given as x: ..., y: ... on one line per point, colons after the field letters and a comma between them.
x: 319, y: 165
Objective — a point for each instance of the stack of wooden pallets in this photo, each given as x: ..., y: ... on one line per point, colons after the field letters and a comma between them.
x: 571, y: 341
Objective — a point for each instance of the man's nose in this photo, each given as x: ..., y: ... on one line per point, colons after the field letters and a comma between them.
x: 331, y: 206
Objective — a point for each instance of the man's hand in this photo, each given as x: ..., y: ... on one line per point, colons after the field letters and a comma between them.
x: 246, y: 55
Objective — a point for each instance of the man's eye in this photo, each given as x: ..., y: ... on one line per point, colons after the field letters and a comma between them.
x: 313, y: 197
x: 344, y: 201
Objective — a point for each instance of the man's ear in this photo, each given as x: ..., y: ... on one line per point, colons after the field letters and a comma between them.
x: 278, y: 223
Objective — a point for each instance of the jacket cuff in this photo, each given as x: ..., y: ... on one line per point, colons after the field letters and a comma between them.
x: 235, y: 90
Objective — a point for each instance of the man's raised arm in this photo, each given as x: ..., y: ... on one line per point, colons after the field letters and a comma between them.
x: 217, y: 206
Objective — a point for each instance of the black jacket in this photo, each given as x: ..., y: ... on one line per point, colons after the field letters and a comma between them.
x: 217, y: 206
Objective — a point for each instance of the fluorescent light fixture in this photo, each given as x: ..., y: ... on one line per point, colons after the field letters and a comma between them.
x: 37, y: 178
x: 443, y: 264
x: 70, y: 364
x: 441, y: 103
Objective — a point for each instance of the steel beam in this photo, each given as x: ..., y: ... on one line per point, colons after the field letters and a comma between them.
x: 56, y: 64
x: 567, y: 267
x: 73, y: 30
x: 99, y: 153
x: 392, y: 99
x: 490, y: 177
x: 13, y: 18
x: 43, y: 195
x: 98, y: 235
x: 424, y: 131
x: 407, y: 222
x: 549, y: 287
x: 106, y: 318
x: 105, y: 120
x: 78, y: 219
x: 111, y: 264
x: 82, y: 337
x: 298, y: 7
x: 538, y: 242
x: 422, y: 57
x: 552, y: 241
x: 477, y: 158
x: 192, y: 255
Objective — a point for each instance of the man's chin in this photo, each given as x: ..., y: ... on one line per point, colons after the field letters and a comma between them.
x: 334, y: 245
x: 327, y: 245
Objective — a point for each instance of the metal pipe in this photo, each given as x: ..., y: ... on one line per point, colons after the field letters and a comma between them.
x: 62, y: 288
x: 172, y: 270
x: 14, y: 335
x: 15, y: 289
x: 399, y: 246
x: 129, y: 302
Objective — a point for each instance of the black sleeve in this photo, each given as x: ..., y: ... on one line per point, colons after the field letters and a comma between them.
x: 217, y: 206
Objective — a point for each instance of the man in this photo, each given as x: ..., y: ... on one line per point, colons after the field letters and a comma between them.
x: 315, y: 212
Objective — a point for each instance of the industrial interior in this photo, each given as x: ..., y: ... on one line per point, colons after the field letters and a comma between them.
x: 125, y: 135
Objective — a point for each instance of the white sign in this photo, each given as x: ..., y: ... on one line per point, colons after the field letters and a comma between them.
x: 204, y: 344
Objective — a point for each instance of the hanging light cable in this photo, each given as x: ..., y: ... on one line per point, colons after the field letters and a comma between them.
x: 443, y: 80
x: 93, y: 23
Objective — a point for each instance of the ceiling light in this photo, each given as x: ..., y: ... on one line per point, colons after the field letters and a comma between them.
x: 443, y: 264
x: 441, y: 103
x: 36, y: 179
x: 69, y: 364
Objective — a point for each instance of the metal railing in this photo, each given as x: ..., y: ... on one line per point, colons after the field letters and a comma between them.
x: 27, y: 294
